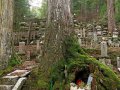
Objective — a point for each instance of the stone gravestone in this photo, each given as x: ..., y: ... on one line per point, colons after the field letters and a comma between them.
x: 118, y: 62
x: 108, y: 62
x: 28, y: 55
x: 38, y: 45
x: 21, y: 47
x: 102, y: 60
x: 80, y: 41
x: 104, y: 49
x: 109, y: 42
x: 84, y: 33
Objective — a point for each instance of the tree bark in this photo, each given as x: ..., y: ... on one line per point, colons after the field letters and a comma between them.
x: 6, y: 23
x: 59, y: 23
x: 111, y: 15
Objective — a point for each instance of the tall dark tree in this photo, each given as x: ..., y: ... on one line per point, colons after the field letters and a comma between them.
x: 111, y: 15
x: 6, y: 27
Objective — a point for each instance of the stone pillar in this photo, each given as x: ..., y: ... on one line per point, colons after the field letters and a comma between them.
x: 80, y: 41
x: 21, y: 47
x: 104, y: 49
x: 118, y: 62
x: 95, y: 37
x: 28, y: 55
x: 38, y: 45
x: 84, y: 32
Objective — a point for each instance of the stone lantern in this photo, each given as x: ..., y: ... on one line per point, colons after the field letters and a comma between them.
x: 99, y: 30
x: 115, y: 36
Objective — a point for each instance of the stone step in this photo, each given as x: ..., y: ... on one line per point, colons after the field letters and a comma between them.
x: 6, y: 87
x: 19, y: 83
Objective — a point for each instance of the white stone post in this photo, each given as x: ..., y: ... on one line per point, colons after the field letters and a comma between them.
x: 118, y: 62
x: 28, y: 55
x: 38, y: 45
x: 104, y: 49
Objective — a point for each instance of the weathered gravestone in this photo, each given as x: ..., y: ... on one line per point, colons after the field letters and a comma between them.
x: 21, y: 47
x: 109, y: 42
x: 108, y: 62
x: 84, y: 32
x: 95, y: 37
x: 104, y: 49
x: 28, y: 55
x: 38, y: 45
x: 118, y: 62
x: 102, y: 60
x: 79, y: 39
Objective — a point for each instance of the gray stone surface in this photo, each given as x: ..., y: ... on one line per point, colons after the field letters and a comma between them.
x: 21, y: 47
x: 28, y: 55
x: 104, y: 49
x: 19, y: 84
x: 6, y: 87
x: 118, y: 62
x: 38, y: 45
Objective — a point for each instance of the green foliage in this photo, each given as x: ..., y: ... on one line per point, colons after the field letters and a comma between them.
x: 75, y: 57
x: 21, y: 10
x: 88, y: 6
x: 40, y: 12
x: 15, y: 60
x: 117, y: 9
x: 8, y: 69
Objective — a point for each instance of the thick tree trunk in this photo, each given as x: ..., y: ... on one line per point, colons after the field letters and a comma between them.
x: 111, y: 15
x: 59, y: 23
x: 6, y: 23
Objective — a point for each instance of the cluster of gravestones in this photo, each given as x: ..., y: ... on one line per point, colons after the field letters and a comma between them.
x: 94, y: 34
x: 22, y: 50
x: 97, y: 35
x: 107, y: 62
x: 30, y: 31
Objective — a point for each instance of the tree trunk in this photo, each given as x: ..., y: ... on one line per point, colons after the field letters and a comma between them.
x: 6, y: 23
x: 59, y: 23
x: 111, y: 15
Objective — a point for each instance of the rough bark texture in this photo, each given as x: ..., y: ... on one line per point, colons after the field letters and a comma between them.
x: 59, y: 23
x: 111, y: 15
x: 6, y: 23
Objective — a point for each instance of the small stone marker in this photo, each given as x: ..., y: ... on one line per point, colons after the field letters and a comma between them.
x: 118, y: 62
x: 104, y: 49
x: 109, y: 42
x: 38, y: 45
x: 80, y: 41
x: 84, y: 30
x: 21, y: 47
x: 28, y: 55
x: 102, y: 61
x: 95, y: 37
x: 108, y: 62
